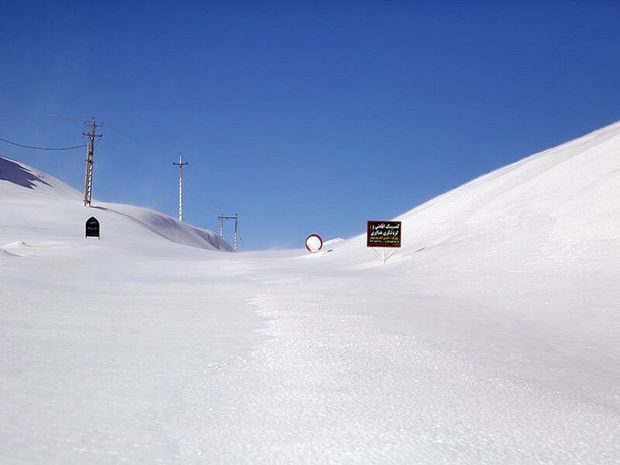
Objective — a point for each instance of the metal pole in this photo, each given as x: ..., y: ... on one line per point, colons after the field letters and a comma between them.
x: 222, y: 218
x: 180, y: 190
x: 236, y: 232
x: 90, y: 161
x: 180, y: 164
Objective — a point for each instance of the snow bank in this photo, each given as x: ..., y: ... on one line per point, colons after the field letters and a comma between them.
x: 555, y: 204
x: 491, y: 337
x: 45, y: 208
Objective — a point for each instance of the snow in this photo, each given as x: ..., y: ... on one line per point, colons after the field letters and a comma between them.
x: 36, y: 205
x: 492, y: 336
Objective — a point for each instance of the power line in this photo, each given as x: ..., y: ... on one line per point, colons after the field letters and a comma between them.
x: 73, y: 147
x: 32, y: 116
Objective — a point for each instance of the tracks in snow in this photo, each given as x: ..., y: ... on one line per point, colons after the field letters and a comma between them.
x: 330, y: 387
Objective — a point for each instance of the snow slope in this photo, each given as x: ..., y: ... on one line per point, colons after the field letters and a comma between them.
x: 541, y: 238
x: 38, y: 206
x: 566, y: 195
x: 492, y: 336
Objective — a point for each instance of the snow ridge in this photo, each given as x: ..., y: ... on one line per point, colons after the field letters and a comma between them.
x: 29, y: 195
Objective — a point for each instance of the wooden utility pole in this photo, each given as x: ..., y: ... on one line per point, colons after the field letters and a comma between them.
x: 90, y: 155
x: 180, y: 164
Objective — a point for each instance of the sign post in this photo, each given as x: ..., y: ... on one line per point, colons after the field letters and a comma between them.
x: 92, y: 228
x: 382, y: 235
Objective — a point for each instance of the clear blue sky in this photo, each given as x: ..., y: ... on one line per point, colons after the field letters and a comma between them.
x: 301, y: 116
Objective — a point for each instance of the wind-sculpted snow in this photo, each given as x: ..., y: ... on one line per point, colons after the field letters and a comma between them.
x: 52, y: 206
x: 15, y: 173
x: 6, y: 253
x: 492, y: 336
x: 565, y: 197
x: 334, y: 388
x: 168, y: 227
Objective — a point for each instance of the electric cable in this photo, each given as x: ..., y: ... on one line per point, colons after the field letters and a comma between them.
x: 34, y: 116
x: 34, y: 147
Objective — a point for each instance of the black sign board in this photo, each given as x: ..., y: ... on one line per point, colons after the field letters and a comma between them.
x: 383, y: 234
x: 92, y: 227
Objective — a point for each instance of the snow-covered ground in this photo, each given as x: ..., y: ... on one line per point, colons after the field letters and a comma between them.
x: 492, y: 336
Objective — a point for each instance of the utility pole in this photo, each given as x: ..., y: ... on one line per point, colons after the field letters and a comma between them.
x: 90, y: 155
x: 236, y: 232
x: 180, y: 164
x: 222, y: 218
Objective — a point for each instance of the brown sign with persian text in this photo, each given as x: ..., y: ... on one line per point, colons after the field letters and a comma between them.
x: 383, y: 234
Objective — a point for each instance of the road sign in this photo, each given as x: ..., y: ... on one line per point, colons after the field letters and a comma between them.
x: 314, y: 243
x: 92, y: 227
x: 383, y: 234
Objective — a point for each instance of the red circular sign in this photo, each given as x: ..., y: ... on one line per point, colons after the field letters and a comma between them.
x: 314, y: 243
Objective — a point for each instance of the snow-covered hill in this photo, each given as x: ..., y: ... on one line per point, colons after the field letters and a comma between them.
x: 38, y: 207
x: 558, y: 203
x: 492, y: 336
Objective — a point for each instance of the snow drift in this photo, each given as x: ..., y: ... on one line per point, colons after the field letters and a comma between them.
x: 492, y: 336
x: 41, y: 207
x: 560, y: 205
